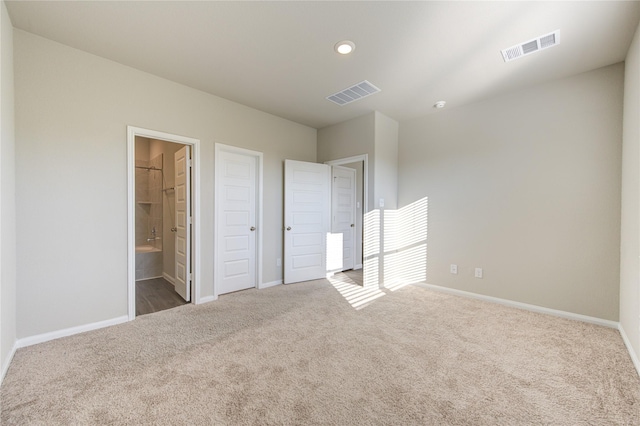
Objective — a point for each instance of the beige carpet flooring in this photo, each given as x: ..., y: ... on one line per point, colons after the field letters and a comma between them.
x: 302, y: 354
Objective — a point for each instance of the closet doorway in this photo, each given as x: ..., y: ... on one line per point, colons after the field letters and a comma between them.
x: 162, y: 217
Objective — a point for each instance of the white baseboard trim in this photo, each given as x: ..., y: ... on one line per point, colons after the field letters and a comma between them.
x: 205, y: 299
x: 7, y: 362
x: 525, y: 306
x: 45, y: 337
x: 355, y: 268
x: 269, y: 284
x: 632, y: 353
x: 169, y: 278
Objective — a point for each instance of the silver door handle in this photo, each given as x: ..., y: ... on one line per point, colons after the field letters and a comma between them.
x: 253, y: 228
x: 288, y: 228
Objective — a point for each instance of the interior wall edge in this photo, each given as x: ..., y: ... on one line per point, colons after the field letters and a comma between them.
x: 7, y: 361
x: 627, y: 344
x: 8, y: 233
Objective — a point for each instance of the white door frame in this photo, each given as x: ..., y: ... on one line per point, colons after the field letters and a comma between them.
x: 132, y: 132
x: 365, y: 179
x: 259, y: 191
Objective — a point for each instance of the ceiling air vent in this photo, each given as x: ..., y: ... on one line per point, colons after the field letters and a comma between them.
x: 531, y: 46
x: 353, y: 93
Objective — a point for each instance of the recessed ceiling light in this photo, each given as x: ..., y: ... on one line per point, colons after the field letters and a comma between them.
x: 440, y: 104
x: 345, y: 47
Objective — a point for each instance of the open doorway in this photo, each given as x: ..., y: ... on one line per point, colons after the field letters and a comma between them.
x: 162, y: 221
x: 155, y: 225
x: 360, y: 166
x: 345, y: 265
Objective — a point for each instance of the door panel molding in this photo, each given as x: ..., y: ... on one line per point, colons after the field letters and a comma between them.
x: 237, y: 243
x: 182, y: 161
x: 132, y: 132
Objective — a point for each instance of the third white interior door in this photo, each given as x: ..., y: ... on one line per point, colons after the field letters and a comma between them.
x: 343, y: 213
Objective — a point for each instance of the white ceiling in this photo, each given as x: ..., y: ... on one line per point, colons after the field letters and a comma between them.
x: 278, y: 57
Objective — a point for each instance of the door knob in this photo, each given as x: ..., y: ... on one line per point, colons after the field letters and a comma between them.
x: 253, y: 228
x: 352, y: 225
x: 288, y: 228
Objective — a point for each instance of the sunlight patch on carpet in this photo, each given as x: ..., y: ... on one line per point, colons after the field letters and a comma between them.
x: 358, y: 296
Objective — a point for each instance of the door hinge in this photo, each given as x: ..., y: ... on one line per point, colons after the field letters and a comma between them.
x: 190, y: 276
x: 190, y: 220
x: 189, y: 162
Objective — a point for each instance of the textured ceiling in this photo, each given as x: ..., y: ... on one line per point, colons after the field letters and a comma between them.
x: 278, y: 56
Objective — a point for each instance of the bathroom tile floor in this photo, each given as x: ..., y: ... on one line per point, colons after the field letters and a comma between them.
x: 156, y: 295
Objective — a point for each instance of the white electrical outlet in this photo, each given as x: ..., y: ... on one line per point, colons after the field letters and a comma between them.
x: 278, y: 262
x: 478, y: 272
x: 453, y: 269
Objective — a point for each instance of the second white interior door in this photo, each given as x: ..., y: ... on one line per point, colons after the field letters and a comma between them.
x: 237, y: 225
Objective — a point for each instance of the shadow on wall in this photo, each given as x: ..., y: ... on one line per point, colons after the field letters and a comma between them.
x: 395, y: 248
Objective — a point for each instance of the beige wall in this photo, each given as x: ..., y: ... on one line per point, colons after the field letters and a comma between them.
x: 630, y: 234
x: 386, y: 161
x: 7, y: 195
x: 142, y: 148
x: 527, y: 187
x: 72, y: 109
x: 348, y: 139
x: 376, y: 135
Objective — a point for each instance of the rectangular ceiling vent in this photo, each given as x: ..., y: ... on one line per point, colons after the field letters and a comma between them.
x: 531, y: 46
x: 353, y: 93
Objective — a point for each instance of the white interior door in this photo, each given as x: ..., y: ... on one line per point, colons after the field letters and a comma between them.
x: 343, y: 212
x: 307, y: 214
x: 236, y: 182
x: 182, y: 160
